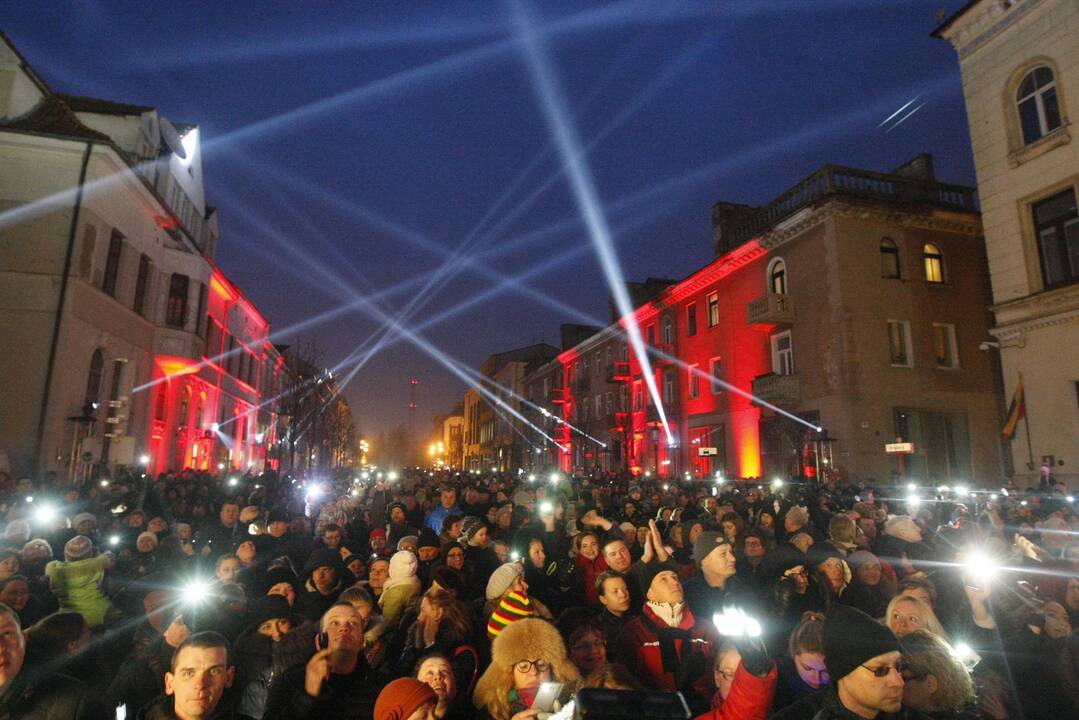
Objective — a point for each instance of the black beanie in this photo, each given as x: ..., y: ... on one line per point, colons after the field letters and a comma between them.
x: 270, y: 607
x: 649, y: 571
x: 851, y: 638
x: 428, y: 538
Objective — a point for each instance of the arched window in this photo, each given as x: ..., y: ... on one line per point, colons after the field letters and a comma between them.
x: 889, y: 259
x: 1036, y: 100
x: 777, y: 277
x: 93, y: 377
x: 667, y: 332
x: 934, y: 263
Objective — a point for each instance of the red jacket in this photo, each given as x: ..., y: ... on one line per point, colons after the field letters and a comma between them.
x: 587, y: 572
x: 641, y: 653
x: 750, y: 697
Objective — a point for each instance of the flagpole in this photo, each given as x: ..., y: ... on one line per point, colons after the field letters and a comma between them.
x: 1030, y: 447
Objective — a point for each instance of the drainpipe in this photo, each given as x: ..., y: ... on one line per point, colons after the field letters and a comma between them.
x: 45, y: 396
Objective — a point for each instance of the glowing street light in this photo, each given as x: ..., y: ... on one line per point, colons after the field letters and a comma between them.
x: 144, y: 460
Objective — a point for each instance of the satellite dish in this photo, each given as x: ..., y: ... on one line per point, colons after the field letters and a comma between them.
x: 172, y: 138
x: 149, y: 128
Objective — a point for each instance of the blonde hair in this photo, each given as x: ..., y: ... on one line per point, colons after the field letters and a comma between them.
x: 929, y: 654
x: 925, y: 613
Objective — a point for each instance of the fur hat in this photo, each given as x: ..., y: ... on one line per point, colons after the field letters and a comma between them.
x: 531, y: 639
x: 902, y: 527
x: 280, y: 575
x: 402, y: 697
x: 408, y: 539
x: 502, y: 578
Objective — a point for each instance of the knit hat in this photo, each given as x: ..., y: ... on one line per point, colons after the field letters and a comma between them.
x: 277, y: 515
x: 521, y: 497
x: 377, y: 532
x: 427, y: 538
x: 851, y: 638
x: 650, y: 570
x: 270, y: 607
x: 408, y: 539
x: 82, y: 517
x: 705, y: 543
x: 79, y: 547
x: 513, y: 607
x: 149, y: 535
x: 402, y: 697
x: 902, y: 527
x: 403, y: 565
x: 323, y: 557
x: 502, y: 578
x: 470, y: 526
x: 280, y: 575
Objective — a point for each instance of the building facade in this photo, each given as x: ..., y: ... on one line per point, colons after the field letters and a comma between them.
x: 1020, y: 66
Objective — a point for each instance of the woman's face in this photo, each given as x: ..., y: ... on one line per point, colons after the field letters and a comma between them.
x: 833, y: 570
x: 275, y: 628
x: 455, y: 558
x: 723, y: 674
x: 15, y: 595
x: 528, y: 673
x: 729, y: 529
x: 676, y: 536
x: 1071, y: 595
x: 869, y: 573
x: 694, y: 532
x: 9, y: 566
x: 1057, y: 625
x: 766, y: 520
x: 536, y: 555
x: 905, y: 618
x: 811, y: 669
x: 589, y: 653
x: 246, y: 552
x: 590, y: 547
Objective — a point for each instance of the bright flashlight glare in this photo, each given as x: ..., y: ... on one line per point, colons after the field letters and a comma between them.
x: 45, y: 513
x: 1070, y: 498
x: 314, y: 492
x: 233, y: 482
x: 980, y: 567
x: 392, y: 476
x: 1004, y: 492
x: 554, y: 478
x: 214, y: 427
x: 104, y: 483
x: 144, y: 459
x: 515, y: 556
x: 993, y: 496
x: 114, y: 540
x: 531, y: 478
x: 960, y: 490
x: 943, y: 488
x: 733, y: 622
x: 778, y: 482
x: 913, y: 500
x: 912, y: 486
x: 196, y: 592
x: 546, y: 507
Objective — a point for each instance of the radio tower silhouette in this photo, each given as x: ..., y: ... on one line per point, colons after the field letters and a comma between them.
x: 412, y: 385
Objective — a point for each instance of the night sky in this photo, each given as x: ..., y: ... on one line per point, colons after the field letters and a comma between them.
x: 366, y: 136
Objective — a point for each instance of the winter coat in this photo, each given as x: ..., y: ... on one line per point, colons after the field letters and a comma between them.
x: 825, y: 705
x: 791, y: 687
x: 586, y: 573
x: 164, y: 709
x: 56, y: 697
x: 749, y: 699
x: 343, y: 697
x: 142, y: 676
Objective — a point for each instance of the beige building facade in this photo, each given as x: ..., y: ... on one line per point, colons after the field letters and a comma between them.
x: 1020, y: 66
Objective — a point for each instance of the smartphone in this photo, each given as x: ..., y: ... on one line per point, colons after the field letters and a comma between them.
x: 322, y: 641
x: 545, y: 698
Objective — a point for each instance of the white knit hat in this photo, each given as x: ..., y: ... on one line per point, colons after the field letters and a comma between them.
x: 403, y: 565
x: 502, y: 578
x: 902, y: 527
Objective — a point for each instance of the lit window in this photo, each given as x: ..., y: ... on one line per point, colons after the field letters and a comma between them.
x: 944, y: 345
x: 1056, y: 224
x: 777, y: 277
x: 694, y: 381
x: 717, y: 374
x: 1039, y: 109
x: 889, y: 259
x: 713, y: 310
x: 691, y: 319
x: 899, y: 343
x: 782, y: 353
x: 934, y: 263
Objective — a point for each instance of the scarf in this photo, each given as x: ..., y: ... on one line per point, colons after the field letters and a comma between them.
x: 682, y: 668
x: 670, y: 613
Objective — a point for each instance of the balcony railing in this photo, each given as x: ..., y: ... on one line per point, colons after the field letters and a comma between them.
x: 651, y: 414
x: 833, y: 180
x: 771, y: 309
x: 558, y: 396
x: 618, y: 372
x: 778, y: 389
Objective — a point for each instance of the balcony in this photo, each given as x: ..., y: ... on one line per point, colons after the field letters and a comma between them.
x: 778, y: 389
x: 559, y: 396
x: 835, y: 181
x: 620, y: 423
x: 771, y: 309
x: 618, y: 372
x: 664, y: 354
x: 651, y: 414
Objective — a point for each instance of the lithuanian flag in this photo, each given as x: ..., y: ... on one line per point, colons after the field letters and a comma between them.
x: 1016, y: 412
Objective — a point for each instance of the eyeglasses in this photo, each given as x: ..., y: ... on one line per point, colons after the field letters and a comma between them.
x: 523, y: 666
x: 881, y: 671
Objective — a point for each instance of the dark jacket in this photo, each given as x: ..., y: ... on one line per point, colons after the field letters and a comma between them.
x: 142, y: 676
x: 343, y: 697
x: 164, y: 709
x: 825, y: 705
x: 56, y: 697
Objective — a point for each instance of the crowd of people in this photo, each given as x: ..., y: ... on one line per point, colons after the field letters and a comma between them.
x: 448, y: 594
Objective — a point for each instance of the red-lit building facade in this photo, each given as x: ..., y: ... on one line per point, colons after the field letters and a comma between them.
x: 217, y: 410
x: 855, y: 303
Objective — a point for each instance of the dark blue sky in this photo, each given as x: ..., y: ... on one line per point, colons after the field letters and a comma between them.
x: 342, y: 128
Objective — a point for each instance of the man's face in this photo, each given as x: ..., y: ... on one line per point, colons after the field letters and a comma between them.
x: 246, y: 551
x: 229, y: 514
x: 617, y: 556
x: 15, y: 594
x: 228, y: 570
x: 720, y: 561
x: 666, y: 588
x: 789, y: 523
x: 397, y: 516
x: 449, y: 498
x: 754, y: 548
x: 158, y: 525
x: 880, y: 694
x: 455, y: 557
x: 378, y: 543
x: 332, y: 539
x: 324, y: 578
x: 536, y: 555
x: 285, y: 590
x: 199, y: 681
x: 725, y: 671
x: 428, y: 553
x: 277, y: 528
x: 12, y: 649
x: 438, y: 674
x: 275, y: 628
x: 379, y: 572
x: 344, y: 627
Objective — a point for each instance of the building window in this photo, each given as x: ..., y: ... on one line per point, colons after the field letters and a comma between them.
x: 93, y: 377
x: 608, y: 401
x: 176, y: 310
x: 584, y: 410
x: 141, y: 281
x: 599, y: 406
x: 899, y: 343
x: 941, y: 443
x: 716, y: 371
x: 713, y: 310
x: 945, y: 346
x: 1056, y: 225
x: 691, y: 319
x: 694, y: 381
x: 777, y: 277
x: 112, y: 263
x: 668, y: 386
x: 934, y: 263
x: 782, y: 353
x: 889, y: 259
x: 652, y: 334
x: 667, y: 334
x: 638, y: 397
x: 1039, y: 109
x: 200, y: 316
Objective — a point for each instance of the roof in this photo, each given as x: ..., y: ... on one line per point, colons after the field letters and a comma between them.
x: 939, y: 32
x: 26, y: 64
x: 52, y: 116
x: 80, y: 103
